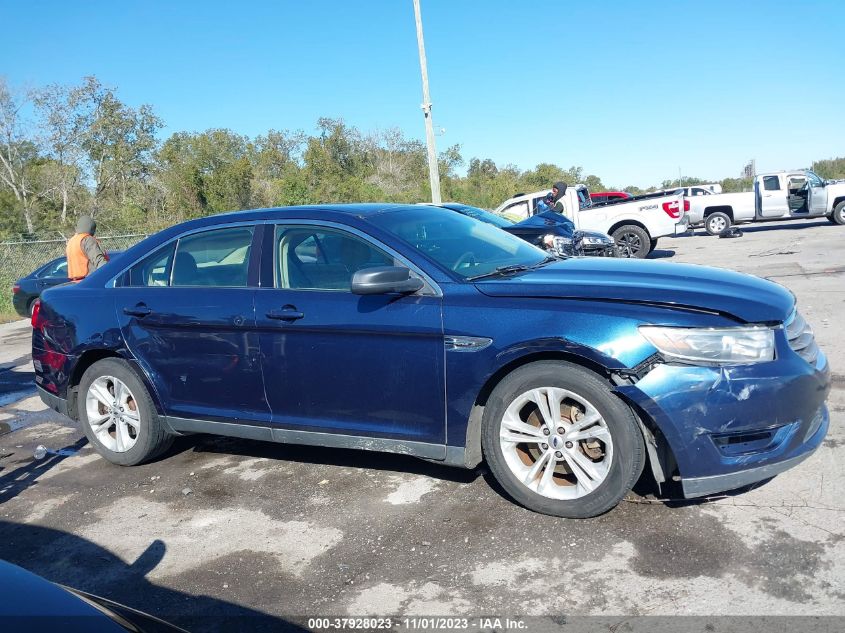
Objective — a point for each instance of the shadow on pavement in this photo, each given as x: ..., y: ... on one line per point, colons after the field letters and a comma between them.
x: 86, y: 566
x: 660, y: 253
x: 13, y: 482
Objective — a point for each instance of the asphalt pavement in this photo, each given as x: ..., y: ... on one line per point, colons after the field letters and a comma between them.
x: 227, y: 527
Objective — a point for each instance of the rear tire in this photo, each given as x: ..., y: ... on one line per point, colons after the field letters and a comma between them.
x: 717, y: 222
x: 583, y: 471
x: 118, y: 415
x: 632, y: 241
x: 838, y: 215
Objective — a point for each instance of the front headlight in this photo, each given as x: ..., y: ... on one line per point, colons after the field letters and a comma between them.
x: 596, y: 240
x: 722, y: 346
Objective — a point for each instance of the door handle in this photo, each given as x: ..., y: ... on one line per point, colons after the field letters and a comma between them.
x: 288, y: 313
x: 138, y: 311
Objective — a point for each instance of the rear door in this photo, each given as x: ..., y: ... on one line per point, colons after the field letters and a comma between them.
x: 346, y: 364
x: 187, y: 315
x: 773, y: 193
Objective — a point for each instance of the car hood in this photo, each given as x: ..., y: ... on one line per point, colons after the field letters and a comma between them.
x: 547, y: 218
x: 744, y: 297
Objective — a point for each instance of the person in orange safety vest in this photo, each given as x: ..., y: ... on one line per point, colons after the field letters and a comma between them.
x: 84, y: 253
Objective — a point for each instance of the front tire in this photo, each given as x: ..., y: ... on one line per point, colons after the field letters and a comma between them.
x: 559, y: 442
x: 632, y: 241
x: 838, y: 215
x: 717, y: 222
x: 118, y: 415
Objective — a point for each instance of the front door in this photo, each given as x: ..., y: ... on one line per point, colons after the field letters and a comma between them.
x: 773, y: 203
x: 818, y: 195
x: 342, y: 363
x: 187, y: 315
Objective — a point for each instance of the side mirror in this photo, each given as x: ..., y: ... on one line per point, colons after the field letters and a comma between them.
x: 381, y: 280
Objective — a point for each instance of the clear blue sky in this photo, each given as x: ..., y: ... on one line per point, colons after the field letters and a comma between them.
x: 631, y: 91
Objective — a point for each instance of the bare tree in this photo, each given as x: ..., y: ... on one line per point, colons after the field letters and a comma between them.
x: 18, y: 152
x: 65, y: 115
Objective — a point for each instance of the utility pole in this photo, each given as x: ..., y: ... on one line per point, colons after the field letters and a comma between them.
x: 679, y: 177
x: 433, y: 170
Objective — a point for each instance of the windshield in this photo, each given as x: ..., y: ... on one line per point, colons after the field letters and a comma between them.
x: 457, y: 242
x: 480, y: 214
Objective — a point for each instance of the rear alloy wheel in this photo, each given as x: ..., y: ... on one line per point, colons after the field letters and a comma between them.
x: 632, y: 241
x: 559, y: 442
x: 717, y: 222
x: 838, y: 215
x: 118, y: 416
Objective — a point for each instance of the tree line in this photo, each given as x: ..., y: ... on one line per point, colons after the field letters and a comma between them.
x: 68, y: 150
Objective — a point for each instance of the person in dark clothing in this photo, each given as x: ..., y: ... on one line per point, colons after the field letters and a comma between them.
x: 558, y: 191
x: 552, y: 202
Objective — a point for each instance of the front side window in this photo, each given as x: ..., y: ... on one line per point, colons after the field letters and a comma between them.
x: 458, y: 243
x: 771, y: 183
x: 319, y: 258
x: 57, y: 269
x: 815, y: 181
x: 213, y: 258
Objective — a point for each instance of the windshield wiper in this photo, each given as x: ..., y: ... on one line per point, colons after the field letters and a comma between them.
x: 513, y: 268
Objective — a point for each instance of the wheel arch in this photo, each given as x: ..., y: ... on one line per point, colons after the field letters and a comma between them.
x: 662, y: 461
x: 91, y: 356
x: 836, y: 202
x: 726, y: 209
x: 621, y: 223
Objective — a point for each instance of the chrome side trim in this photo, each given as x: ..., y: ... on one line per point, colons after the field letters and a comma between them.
x: 466, y: 343
x: 424, y: 450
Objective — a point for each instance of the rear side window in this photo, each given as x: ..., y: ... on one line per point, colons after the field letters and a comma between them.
x: 153, y: 270
x: 771, y: 183
x: 517, y: 210
x: 599, y: 199
x: 316, y: 258
x: 213, y: 258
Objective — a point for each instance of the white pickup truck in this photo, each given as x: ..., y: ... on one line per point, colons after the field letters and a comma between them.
x: 634, y: 223
x: 785, y: 195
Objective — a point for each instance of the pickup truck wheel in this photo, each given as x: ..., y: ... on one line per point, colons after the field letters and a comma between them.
x: 559, y: 442
x: 838, y: 215
x: 632, y: 241
x: 118, y: 415
x: 717, y: 222
x: 652, y: 245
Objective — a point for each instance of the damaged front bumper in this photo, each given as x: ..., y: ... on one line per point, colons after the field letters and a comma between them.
x: 728, y: 427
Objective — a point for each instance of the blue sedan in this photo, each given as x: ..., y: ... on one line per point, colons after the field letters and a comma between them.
x: 417, y: 330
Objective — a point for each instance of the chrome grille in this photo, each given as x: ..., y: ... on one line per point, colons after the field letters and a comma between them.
x: 800, y: 337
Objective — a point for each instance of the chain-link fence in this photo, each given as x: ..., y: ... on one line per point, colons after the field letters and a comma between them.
x: 18, y: 259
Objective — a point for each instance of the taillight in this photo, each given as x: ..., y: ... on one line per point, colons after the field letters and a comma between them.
x: 672, y: 209
x: 36, y: 314
x: 16, y: 289
x: 686, y: 204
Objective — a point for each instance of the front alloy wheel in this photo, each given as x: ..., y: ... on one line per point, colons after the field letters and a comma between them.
x: 556, y: 443
x: 560, y: 442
